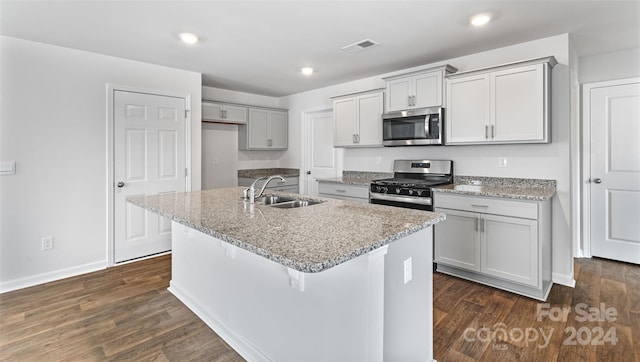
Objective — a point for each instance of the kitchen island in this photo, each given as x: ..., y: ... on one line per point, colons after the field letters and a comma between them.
x: 328, y: 282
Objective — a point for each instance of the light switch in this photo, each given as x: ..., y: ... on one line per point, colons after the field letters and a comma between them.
x: 7, y: 167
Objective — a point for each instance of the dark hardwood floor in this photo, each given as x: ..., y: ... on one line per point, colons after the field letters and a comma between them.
x: 126, y: 313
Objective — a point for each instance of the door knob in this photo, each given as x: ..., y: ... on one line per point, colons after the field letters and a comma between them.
x: 597, y: 180
x: 120, y: 184
x: 308, y: 172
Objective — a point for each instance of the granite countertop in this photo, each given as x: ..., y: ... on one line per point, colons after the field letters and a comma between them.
x: 262, y: 172
x: 356, y: 178
x: 512, y: 188
x: 308, y: 239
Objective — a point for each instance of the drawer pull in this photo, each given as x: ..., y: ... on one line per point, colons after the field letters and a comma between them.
x: 341, y: 190
x: 479, y: 205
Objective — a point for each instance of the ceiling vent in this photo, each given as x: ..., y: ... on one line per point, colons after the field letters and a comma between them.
x: 360, y: 46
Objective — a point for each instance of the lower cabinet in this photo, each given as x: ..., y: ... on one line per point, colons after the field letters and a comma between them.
x: 358, y: 193
x: 498, y: 242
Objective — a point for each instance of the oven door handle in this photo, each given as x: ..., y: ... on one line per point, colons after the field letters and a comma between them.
x: 407, y: 199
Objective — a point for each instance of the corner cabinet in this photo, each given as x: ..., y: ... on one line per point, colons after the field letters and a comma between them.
x: 417, y: 89
x: 358, y: 119
x: 506, y: 104
x: 223, y: 113
x: 503, y: 243
x: 266, y: 129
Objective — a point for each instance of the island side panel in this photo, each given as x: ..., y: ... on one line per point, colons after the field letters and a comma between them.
x: 408, y: 309
x: 268, y: 312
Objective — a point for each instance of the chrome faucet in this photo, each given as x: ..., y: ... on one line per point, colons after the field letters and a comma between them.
x: 250, y: 193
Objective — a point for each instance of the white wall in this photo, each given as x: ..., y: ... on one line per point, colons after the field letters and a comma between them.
x: 53, y: 123
x: 547, y: 161
x: 220, y: 142
x: 610, y: 66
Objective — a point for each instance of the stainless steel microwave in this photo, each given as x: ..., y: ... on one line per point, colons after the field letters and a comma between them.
x: 413, y: 127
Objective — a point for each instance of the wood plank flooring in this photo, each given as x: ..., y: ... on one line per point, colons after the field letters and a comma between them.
x: 126, y: 314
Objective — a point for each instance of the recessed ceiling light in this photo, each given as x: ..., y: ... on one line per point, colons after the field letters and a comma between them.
x: 480, y: 19
x: 188, y: 38
x: 307, y: 70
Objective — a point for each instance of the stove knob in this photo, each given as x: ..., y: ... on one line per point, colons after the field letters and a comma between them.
x: 384, y: 189
x: 410, y: 192
x: 379, y: 188
x: 397, y: 190
x: 419, y: 192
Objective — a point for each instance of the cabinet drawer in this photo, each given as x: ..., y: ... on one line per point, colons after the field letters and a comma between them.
x: 523, y: 209
x: 354, y: 191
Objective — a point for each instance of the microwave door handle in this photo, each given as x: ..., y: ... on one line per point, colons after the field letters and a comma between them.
x: 427, y: 120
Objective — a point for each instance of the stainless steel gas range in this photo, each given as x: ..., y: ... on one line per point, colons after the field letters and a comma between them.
x: 411, y: 184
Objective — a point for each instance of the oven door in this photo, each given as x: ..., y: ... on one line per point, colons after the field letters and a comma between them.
x: 413, y: 127
x: 407, y: 202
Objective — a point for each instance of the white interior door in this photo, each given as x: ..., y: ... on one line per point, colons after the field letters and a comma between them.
x: 149, y: 158
x: 321, y: 155
x: 615, y: 171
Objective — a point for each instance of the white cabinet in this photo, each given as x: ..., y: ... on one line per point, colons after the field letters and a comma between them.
x: 358, y: 119
x: 506, y: 104
x: 417, y: 89
x: 499, y: 242
x: 225, y: 113
x: 358, y: 193
x: 266, y: 129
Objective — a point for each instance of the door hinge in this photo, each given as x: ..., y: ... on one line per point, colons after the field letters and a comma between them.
x: 186, y: 113
x: 186, y: 172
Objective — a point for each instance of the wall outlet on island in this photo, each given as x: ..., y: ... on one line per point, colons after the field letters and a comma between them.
x: 47, y: 243
x: 378, y: 160
x: 502, y: 162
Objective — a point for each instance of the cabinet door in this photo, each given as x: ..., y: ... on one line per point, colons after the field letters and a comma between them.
x: 510, y: 248
x: 369, y: 117
x: 468, y: 111
x: 398, y: 92
x: 518, y: 107
x: 457, y: 241
x: 257, y: 128
x: 211, y: 111
x: 345, y: 118
x: 428, y: 90
x: 278, y: 130
x: 235, y: 113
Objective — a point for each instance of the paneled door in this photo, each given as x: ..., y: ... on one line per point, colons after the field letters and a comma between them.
x: 614, y: 180
x: 321, y: 156
x: 149, y: 158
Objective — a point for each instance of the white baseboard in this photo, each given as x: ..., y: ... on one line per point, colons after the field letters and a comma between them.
x: 51, y: 276
x: 562, y: 279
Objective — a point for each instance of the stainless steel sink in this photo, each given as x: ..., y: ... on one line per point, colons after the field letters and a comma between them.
x: 295, y: 203
x: 275, y: 199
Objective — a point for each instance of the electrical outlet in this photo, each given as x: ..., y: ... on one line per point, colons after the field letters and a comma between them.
x: 408, y: 272
x: 378, y: 160
x: 502, y: 162
x: 47, y: 243
x: 214, y: 161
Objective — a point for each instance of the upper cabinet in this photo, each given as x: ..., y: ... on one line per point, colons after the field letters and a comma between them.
x: 417, y: 89
x: 506, y: 104
x: 357, y: 119
x: 223, y: 113
x: 266, y: 129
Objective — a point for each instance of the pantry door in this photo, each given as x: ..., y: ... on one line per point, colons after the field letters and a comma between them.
x: 320, y: 154
x: 149, y: 154
x: 613, y: 120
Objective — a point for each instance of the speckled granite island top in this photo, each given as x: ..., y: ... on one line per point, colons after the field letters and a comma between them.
x: 512, y: 188
x: 308, y: 239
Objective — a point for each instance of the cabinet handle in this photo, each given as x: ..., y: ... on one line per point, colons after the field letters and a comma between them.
x: 357, y: 138
x: 353, y: 138
x: 480, y: 205
x: 269, y: 142
x: 482, y: 225
x: 492, y: 133
x: 477, y: 223
x: 224, y: 114
x: 338, y: 190
x: 486, y: 132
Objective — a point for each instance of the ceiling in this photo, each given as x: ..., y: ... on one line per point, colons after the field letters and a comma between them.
x: 259, y: 46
